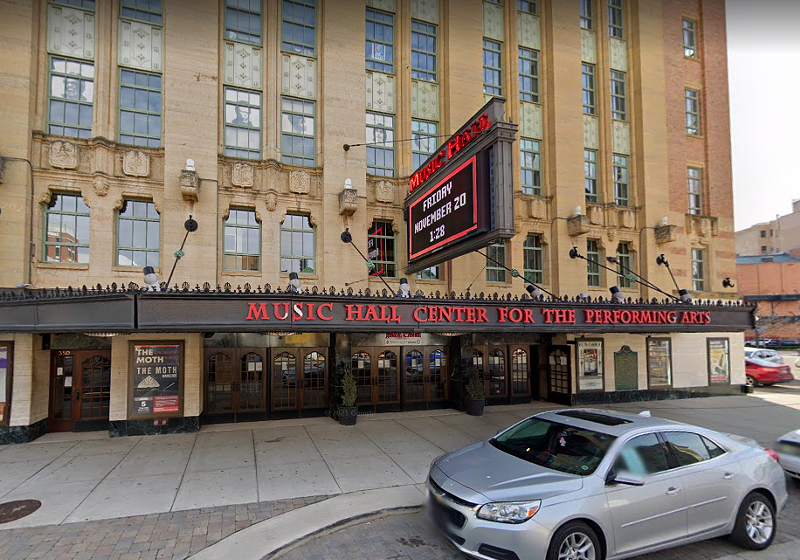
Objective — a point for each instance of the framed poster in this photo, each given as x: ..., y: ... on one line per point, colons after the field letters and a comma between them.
x: 590, y: 365
x: 659, y: 362
x: 719, y: 361
x: 6, y: 355
x: 156, y: 378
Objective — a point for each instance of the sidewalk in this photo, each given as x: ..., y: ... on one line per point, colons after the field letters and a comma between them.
x: 82, y: 478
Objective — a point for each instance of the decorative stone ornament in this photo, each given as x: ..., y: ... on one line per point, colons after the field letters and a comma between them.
x: 242, y: 175
x: 136, y: 163
x: 538, y: 208
x: 595, y: 214
x: 190, y: 185
x: 63, y: 155
x: 299, y: 182
x: 348, y: 202
x: 384, y: 191
x: 271, y: 201
x: 578, y: 225
x: 627, y: 219
x: 666, y: 234
x: 100, y: 186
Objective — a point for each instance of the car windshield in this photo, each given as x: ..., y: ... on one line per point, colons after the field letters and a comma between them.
x: 556, y: 446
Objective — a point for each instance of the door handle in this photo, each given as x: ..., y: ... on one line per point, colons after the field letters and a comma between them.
x: 671, y: 491
x: 728, y: 475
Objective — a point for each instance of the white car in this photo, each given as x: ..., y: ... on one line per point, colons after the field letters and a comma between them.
x: 764, y: 354
x: 788, y: 448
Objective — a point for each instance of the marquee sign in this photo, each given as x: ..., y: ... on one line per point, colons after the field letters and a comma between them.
x: 461, y: 198
x: 322, y: 313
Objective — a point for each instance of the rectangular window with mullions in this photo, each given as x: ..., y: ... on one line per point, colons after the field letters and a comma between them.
x: 424, y: 140
x: 242, y: 241
x: 625, y: 263
x: 380, y: 144
x: 620, y: 171
x: 689, y: 38
x: 139, y: 108
x: 297, y: 244
x: 379, y: 46
x: 692, y: 104
x: 694, y: 177
x: 527, y: 6
x: 533, y: 259
x: 615, y: 24
x: 590, y: 175
x: 423, y: 51
x: 71, y: 98
x: 593, y: 277
x: 297, y: 132
x: 496, y: 262
x: 82, y: 4
x: 242, y: 123
x: 587, y: 84
x: 619, y: 108
x: 381, y: 249
x: 530, y: 166
x: 66, y: 230
x: 299, y: 27
x: 698, y: 270
x: 492, y: 67
x: 587, y: 21
x: 431, y: 273
x: 528, y: 74
x: 150, y: 11
x: 243, y: 21
x: 138, y: 234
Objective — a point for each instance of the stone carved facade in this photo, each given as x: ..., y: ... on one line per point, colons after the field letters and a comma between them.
x: 242, y: 175
x: 299, y: 182
x: 63, y: 155
x: 136, y: 163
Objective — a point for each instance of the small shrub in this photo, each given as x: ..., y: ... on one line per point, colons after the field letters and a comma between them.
x: 349, y: 389
x: 475, y: 388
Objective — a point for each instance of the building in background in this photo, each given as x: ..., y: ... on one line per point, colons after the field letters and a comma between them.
x: 776, y: 236
x: 623, y: 150
x: 772, y: 282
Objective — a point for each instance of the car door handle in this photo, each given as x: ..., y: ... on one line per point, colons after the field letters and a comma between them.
x: 671, y: 491
x: 728, y: 475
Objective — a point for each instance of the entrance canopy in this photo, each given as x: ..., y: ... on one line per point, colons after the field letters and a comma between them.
x: 202, y: 310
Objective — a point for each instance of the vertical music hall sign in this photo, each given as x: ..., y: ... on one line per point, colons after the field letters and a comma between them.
x: 461, y: 198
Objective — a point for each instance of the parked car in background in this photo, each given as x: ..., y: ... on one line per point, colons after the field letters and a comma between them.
x: 596, y: 484
x: 765, y: 372
x: 788, y: 448
x: 763, y: 354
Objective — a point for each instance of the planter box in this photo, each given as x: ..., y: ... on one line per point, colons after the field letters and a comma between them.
x: 347, y: 416
x: 474, y: 407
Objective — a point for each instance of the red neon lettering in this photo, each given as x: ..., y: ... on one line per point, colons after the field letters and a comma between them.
x: 515, y: 314
x: 417, y: 317
x: 275, y: 308
x: 446, y: 314
x: 482, y: 315
x: 256, y: 311
x: 470, y: 314
x: 459, y: 314
x: 353, y: 312
x: 330, y: 310
x: 548, y: 315
x: 589, y: 315
x: 528, y: 316
x: 502, y: 314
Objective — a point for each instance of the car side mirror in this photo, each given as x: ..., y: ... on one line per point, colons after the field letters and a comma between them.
x: 625, y: 478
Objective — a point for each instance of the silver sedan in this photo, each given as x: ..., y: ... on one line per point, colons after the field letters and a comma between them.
x: 584, y: 484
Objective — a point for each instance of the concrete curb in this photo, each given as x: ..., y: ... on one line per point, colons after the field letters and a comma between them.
x: 272, y: 538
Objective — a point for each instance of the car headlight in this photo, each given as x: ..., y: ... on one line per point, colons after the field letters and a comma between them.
x: 509, y: 512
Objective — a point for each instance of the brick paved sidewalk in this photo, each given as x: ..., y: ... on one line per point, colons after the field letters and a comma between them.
x: 169, y: 536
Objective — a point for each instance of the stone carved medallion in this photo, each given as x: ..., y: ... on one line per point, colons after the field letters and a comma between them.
x: 100, y: 186
x: 272, y: 201
x: 299, y: 182
x: 242, y: 175
x: 136, y: 163
x: 63, y: 155
x: 384, y: 191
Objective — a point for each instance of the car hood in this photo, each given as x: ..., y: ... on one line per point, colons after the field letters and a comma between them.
x: 499, y: 476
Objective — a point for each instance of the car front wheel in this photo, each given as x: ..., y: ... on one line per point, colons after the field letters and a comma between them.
x: 755, y: 522
x: 575, y: 541
x: 750, y: 380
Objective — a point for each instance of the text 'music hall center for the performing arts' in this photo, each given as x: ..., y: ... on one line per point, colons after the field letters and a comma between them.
x: 213, y: 239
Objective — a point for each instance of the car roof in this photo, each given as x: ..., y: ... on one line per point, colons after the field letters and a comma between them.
x: 627, y: 422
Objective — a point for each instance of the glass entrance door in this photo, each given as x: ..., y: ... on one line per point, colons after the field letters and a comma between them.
x: 299, y: 381
x: 6, y: 359
x: 235, y: 387
x: 376, y: 372
x: 520, y: 374
x: 80, y: 396
x: 558, y: 375
x: 425, y: 375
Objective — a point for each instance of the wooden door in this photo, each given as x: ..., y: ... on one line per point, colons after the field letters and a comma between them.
x: 361, y: 367
x: 425, y: 374
x: 249, y: 399
x: 436, y: 382
x: 414, y: 375
x: 6, y: 380
x: 520, y: 374
x: 285, y: 367
x: 80, y: 394
x: 387, y: 376
x: 220, y: 376
x: 558, y: 375
x: 314, y: 385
